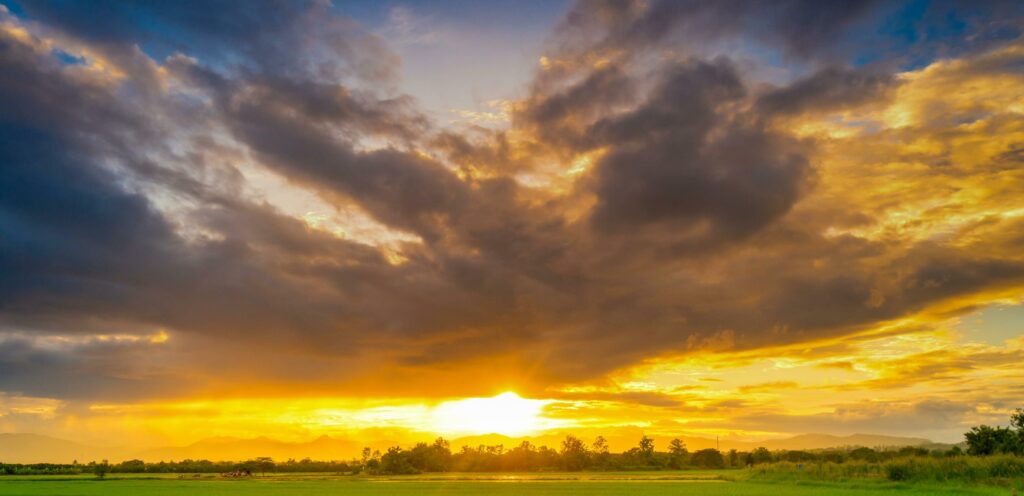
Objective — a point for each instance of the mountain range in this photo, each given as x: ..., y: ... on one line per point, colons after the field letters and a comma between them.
x: 36, y: 448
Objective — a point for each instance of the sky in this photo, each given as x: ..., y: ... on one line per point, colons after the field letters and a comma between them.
x: 397, y: 220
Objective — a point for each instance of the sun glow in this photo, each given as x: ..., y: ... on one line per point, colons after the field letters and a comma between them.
x: 507, y: 414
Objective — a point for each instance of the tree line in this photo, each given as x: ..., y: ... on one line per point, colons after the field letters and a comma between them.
x: 984, y: 440
x: 260, y: 465
x: 575, y: 455
x: 572, y: 455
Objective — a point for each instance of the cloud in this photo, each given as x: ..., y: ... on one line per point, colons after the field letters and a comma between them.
x: 256, y: 36
x: 78, y: 368
x: 406, y: 27
x: 828, y: 89
x: 923, y: 417
x: 647, y: 200
x: 673, y: 161
x: 800, y: 28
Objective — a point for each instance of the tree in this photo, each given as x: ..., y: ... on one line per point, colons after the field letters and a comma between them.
x: 984, y: 440
x: 708, y: 458
x: 797, y: 456
x: 131, y: 467
x: 599, y: 452
x: 912, y: 451
x: 522, y: 457
x: 419, y: 457
x: 677, y: 453
x: 864, y: 454
x: 760, y: 455
x: 436, y: 457
x: 1017, y: 420
x: 396, y: 461
x: 547, y: 457
x: 574, y: 453
x: 101, y: 469
x: 440, y: 459
x: 371, y: 460
x: 263, y: 464
x: 646, y: 447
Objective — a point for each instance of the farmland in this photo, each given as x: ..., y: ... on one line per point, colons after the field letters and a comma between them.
x: 705, y: 483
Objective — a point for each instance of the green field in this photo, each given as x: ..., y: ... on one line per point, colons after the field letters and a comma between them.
x: 709, y: 483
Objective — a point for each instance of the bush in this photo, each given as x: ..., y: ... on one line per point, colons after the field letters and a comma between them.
x: 898, y: 472
x: 396, y: 462
x: 708, y: 458
x: 996, y: 469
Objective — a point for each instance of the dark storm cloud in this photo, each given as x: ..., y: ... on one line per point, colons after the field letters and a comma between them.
x: 256, y: 36
x: 679, y: 237
x: 663, y: 165
x: 801, y: 28
x: 679, y: 162
x: 900, y: 33
x: 86, y: 371
x: 827, y: 89
x: 400, y: 188
x: 67, y: 221
x: 307, y: 131
x: 557, y: 115
x: 96, y: 256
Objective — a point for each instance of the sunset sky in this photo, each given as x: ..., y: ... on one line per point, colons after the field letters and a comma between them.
x: 392, y: 220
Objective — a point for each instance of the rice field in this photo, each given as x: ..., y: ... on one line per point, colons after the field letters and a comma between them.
x: 703, y: 483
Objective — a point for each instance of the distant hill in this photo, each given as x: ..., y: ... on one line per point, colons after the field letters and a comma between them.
x: 551, y: 441
x: 623, y: 442
x: 227, y: 448
x: 819, y: 441
x: 35, y: 448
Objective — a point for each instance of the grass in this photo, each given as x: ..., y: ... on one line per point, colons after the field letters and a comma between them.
x: 702, y: 483
x: 1000, y: 470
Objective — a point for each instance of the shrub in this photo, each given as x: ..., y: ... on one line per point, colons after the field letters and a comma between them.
x: 898, y: 471
x: 708, y: 458
x: 996, y: 469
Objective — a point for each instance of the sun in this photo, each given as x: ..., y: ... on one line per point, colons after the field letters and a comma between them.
x: 506, y: 413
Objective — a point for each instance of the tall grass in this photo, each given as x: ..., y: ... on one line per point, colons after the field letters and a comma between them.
x: 997, y: 470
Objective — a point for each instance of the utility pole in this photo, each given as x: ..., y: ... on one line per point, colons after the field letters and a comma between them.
x: 718, y: 445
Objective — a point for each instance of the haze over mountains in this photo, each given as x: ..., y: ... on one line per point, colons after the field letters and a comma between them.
x: 35, y: 448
